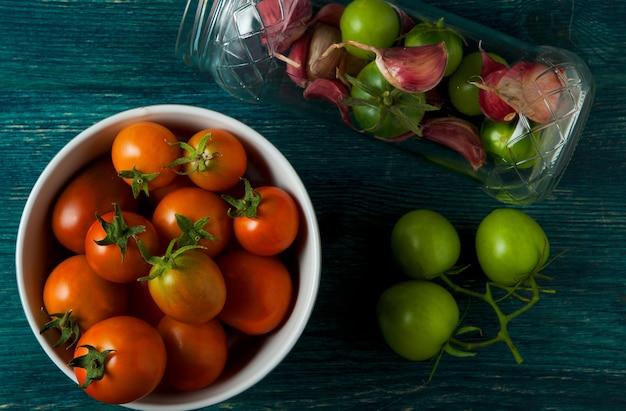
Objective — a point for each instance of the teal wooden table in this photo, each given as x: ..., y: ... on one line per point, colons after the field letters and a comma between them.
x: 65, y: 65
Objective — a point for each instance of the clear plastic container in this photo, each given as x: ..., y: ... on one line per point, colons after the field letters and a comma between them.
x: 229, y: 40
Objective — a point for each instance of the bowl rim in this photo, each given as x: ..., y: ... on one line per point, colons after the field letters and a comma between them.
x: 306, y: 292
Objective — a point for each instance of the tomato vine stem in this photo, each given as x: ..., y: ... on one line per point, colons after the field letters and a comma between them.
x: 503, y: 319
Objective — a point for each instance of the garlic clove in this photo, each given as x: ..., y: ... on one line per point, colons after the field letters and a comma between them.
x: 297, y: 60
x: 457, y: 134
x: 330, y: 14
x: 491, y: 104
x: 324, y: 36
x: 333, y: 91
x: 411, y: 69
x: 406, y: 22
x: 284, y: 21
x: 532, y: 89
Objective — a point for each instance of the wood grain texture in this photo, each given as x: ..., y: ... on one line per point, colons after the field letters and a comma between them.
x: 65, y: 65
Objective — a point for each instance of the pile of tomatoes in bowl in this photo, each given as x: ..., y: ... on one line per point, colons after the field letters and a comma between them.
x: 178, y: 260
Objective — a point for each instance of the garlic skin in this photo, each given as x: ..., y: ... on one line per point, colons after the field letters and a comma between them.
x: 532, y: 89
x: 491, y: 104
x: 323, y: 37
x: 283, y: 30
x: 296, y: 64
x: 527, y: 88
x: 306, y: 64
x: 411, y: 69
x: 333, y: 91
x: 457, y: 134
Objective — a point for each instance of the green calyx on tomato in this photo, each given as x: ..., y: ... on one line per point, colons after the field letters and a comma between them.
x: 117, y: 232
x: 185, y: 284
x: 383, y: 110
x: 192, y: 232
x: 509, y: 142
x: 139, y: 179
x: 93, y: 362
x: 372, y: 22
x: 199, y: 157
x: 166, y: 261
x: 246, y: 206
x: 64, y: 322
x: 434, y: 33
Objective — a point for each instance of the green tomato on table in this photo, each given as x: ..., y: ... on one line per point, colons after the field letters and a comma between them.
x: 425, y: 244
x: 416, y: 318
x: 510, y: 246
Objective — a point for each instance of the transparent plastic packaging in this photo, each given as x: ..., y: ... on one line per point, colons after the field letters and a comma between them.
x: 232, y: 40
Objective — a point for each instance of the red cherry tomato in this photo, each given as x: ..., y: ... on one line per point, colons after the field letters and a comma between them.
x: 214, y: 159
x: 260, y: 291
x: 196, y: 354
x: 266, y: 220
x: 194, y: 204
x: 141, y: 153
x: 141, y: 304
x: 74, y: 285
x: 128, y: 352
x: 112, y: 252
x: 91, y: 191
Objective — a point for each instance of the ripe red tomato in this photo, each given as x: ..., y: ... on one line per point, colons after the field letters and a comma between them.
x: 266, y: 220
x: 140, y: 154
x: 74, y: 285
x: 179, y: 182
x: 128, y: 352
x: 188, y: 287
x: 141, y: 304
x: 214, y: 159
x: 196, y: 354
x: 195, y: 204
x: 91, y: 191
x: 259, y: 293
x: 112, y: 252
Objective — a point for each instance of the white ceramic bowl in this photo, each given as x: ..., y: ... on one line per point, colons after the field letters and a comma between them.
x: 265, y: 161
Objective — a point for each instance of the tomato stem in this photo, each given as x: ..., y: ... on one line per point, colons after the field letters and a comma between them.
x: 246, y: 206
x: 529, y: 283
x: 64, y: 322
x: 199, y: 158
x: 139, y: 179
x: 164, y: 262
x: 503, y: 319
x: 93, y: 362
x: 117, y: 232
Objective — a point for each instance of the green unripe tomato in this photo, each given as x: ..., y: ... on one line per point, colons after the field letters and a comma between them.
x: 382, y: 116
x: 508, y: 142
x: 416, y: 318
x: 430, y: 33
x: 510, y: 245
x: 371, y: 22
x: 463, y: 95
x: 425, y: 244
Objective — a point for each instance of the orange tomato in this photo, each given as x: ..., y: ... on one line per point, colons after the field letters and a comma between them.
x: 141, y: 153
x: 259, y: 291
x: 196, y: 354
